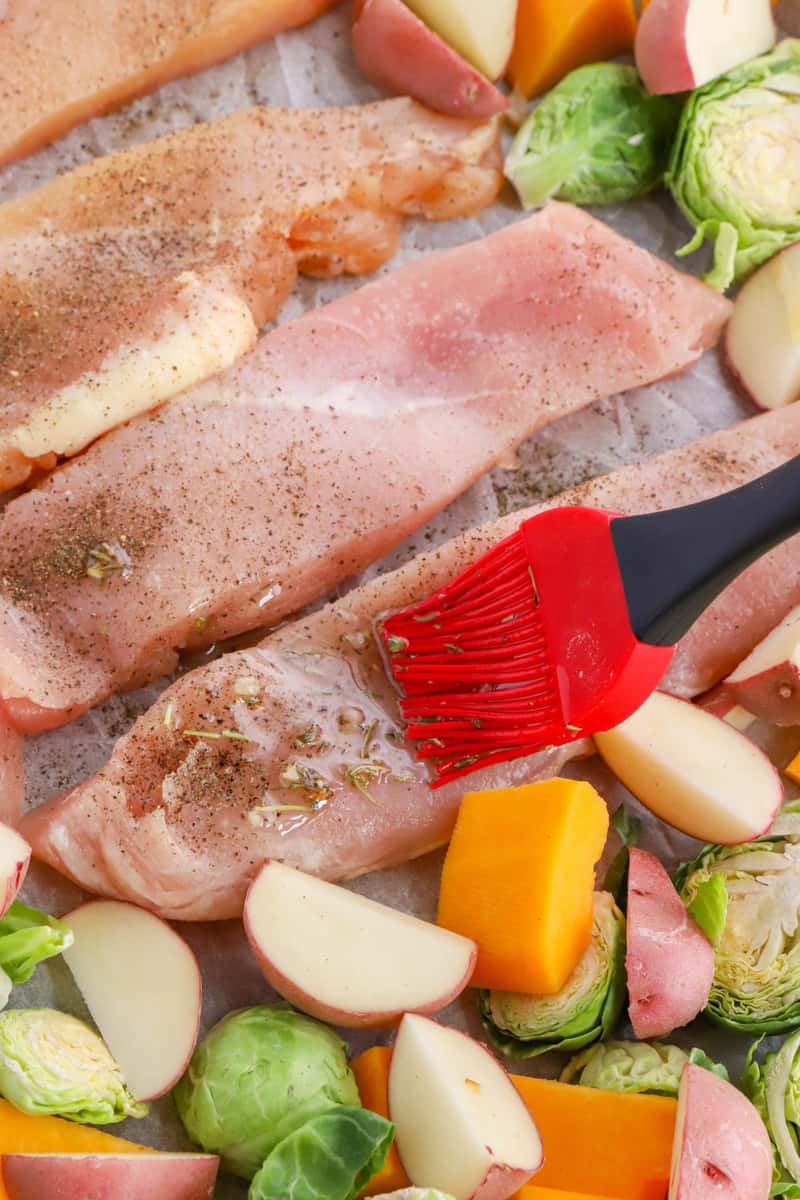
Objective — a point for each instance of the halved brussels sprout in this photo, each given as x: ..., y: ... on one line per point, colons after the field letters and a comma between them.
x: 735, y: 166
x: 55, y: 1065
x: 586, y: 1008
x: 413, y: 1193
x: 635, y: 1067
x: 756, y: 986
x: 774, y: 1088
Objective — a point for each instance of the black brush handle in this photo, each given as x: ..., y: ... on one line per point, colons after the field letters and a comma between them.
x: 674, y: 563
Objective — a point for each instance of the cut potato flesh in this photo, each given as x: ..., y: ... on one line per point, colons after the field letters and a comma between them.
x: 693, y: 770
x: 682, y: 44
x: 482, y: 32
x: 762, y: 339
x: 142, y: 986
x: 346, y: 959
x: 461, y: 1124
x: 720, y: 34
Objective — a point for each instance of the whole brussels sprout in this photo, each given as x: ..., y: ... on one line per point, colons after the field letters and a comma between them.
x: 52, y: 1064
x: 734, y: 169
x: 586, y: 1008
x: 597, y: 137
x: 258, y: 1075
x: 774, y: 1088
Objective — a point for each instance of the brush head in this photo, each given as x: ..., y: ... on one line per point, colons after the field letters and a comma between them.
x: 529, y: 647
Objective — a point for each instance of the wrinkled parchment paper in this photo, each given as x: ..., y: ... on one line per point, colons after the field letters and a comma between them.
x: 311, y: 67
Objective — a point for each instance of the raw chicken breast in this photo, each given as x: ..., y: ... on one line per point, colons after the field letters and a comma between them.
x: 239, y: 502
x: 138, y: 275
x: 12, y: 775
x: 292, y: 750
x: 65, y: 61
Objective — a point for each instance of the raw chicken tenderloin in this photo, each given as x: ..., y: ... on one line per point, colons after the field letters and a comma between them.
x: 239, y: 502
x: 291, y: 750
x: 68, y: 60
x: 140, y: 274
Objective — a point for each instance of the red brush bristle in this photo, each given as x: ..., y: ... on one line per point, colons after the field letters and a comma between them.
x: 531, y: 647
x: 485, y: 625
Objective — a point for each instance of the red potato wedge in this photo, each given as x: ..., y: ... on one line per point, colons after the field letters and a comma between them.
x: 694, y: 770
x: 461, y: 1124
x: 767, y: 682
x: 400, y: 54
x: 762, y: 339
x: 348, y: 960
x: 142, y: 985
x: 15, y: 857
x: 669, y: 960
x: 721, y: 704
x: 109, y: 1176
x: 682, y: 44
x: 721, y: 1149
x: 480, y: 30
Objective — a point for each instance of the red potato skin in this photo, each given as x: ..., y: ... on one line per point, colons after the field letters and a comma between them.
x: 669, y: 960
x: 178, y: 1071
x: 501, y: 1182
x: 773, y: 695
x: 334, y: 1016
x: 722, y: 1150
x: 660, y: 48
x: 401, y: 55
x: 15, y: 881
x: 109, y: 1176
x: 719, y: 702
x: 716, y: 701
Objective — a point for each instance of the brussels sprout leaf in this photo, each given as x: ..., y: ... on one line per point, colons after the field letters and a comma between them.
x: 331, y: 1157
x: 709, y: 908
x: 629, y: 830
x: 28, y: 937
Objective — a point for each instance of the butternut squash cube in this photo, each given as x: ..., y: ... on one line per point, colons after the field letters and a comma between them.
x: 518, y: 879
x: 599, y: 1143
x: 554, y: 37
x: 371, y: 1070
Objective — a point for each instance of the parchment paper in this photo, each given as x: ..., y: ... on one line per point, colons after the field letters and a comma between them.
x: 313, y: 66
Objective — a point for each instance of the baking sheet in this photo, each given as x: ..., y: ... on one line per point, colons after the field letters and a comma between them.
x: 309, y: 67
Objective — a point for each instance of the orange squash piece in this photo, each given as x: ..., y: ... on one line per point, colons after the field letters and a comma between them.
x: 793, y: 769
x: 554, y: 37
x: 24, y: 1134
x: 371, y: 1070
x: 599, y: 1143
x: 532, y: 1192
x: 518, y: 879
